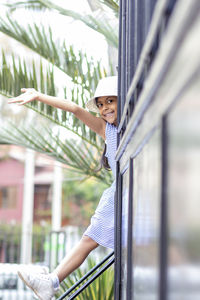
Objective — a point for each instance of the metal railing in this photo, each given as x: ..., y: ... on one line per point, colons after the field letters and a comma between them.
x: 142, y: 26
x: 109, y: 259
x: 140, y: 49
x: 148, y: 117
x: 46, y: 247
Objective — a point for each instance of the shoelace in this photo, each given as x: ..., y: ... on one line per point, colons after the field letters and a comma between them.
x: 39, y: 277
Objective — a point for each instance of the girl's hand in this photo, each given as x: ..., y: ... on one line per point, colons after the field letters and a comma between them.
x: 27, y: 96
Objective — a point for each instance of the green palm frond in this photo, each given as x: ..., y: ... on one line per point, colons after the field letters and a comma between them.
x: 30, y: 4
x: 39, y: 5
x: 79, y: 156
x: 85, y: 73
x: 40, y: 39
x: 100, y: 22
x: 112, y: 4
x: 100, y: 289
x: 14, y: 76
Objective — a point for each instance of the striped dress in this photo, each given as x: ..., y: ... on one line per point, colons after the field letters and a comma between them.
x: 101, y: 228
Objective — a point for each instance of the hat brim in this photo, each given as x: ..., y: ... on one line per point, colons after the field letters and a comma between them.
x: 107, y: 86
x: 91, y: 105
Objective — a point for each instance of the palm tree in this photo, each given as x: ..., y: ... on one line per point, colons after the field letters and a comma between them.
x: 82, y: 153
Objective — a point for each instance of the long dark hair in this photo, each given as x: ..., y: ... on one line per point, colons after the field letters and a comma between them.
x: 104, y: 160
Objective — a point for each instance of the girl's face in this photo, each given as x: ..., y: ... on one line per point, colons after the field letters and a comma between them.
x: 107, y: 106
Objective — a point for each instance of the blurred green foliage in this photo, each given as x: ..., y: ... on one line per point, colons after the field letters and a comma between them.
x: 80, y: 200
x: 100, y: 289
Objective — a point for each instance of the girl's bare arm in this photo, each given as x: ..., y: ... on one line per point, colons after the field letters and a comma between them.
x: 97, y: 124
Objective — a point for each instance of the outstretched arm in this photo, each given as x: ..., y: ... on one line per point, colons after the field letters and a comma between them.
x: 97, y: 124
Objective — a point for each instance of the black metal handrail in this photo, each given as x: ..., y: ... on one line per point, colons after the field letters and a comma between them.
x: 89, y: 281
x: 161, y: 16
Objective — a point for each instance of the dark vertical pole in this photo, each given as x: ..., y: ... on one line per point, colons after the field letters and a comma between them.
x: 126, y: 48
x: 129, y: 295
x: 163, y: 219
x: 138, y: 30
x: 118, y: 213
x: 137, y: 39
x: 130, y: 54
x: 148, y: 11
x: 149, y: 8
x: 119, y: 63
x: 123, y: 54
x: 117, y: 276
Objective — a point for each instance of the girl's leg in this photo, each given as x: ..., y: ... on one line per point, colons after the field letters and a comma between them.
x: 75, y: 258
x: 46, y: 285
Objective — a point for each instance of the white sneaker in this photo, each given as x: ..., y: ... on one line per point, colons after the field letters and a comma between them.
x: 35, y: 270
x: 41, y: 284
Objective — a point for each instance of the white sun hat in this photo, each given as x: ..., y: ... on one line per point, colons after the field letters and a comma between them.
x: 106, y: 87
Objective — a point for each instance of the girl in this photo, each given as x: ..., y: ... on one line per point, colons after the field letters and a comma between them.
x: 101, y: 229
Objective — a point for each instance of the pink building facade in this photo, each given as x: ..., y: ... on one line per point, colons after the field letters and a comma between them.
x: 12, y: 186
x: 11, y: 190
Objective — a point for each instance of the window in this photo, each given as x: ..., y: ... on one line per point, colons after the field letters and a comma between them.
x: 8, y: 197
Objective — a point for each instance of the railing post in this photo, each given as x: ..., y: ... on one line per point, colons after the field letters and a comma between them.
x: 27, y: 212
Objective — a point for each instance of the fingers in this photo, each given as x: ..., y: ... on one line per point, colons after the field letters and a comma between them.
x: 14, y: 100
x: 27, y: 96
x: 29, y: 90
x: 18, y: 100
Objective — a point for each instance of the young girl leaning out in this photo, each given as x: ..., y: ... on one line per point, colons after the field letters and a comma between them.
x: 101, y: 228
